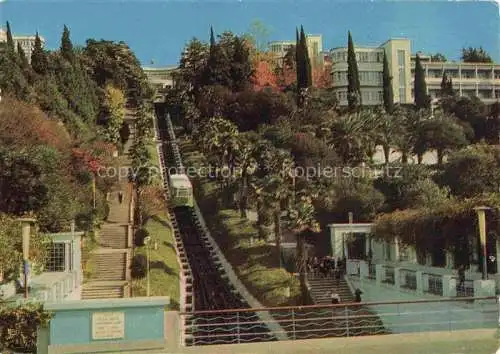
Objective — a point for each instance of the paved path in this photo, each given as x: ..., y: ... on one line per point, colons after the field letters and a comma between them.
x: 113, y: 256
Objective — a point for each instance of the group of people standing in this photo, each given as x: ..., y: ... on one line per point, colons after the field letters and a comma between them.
x: 326, y: 266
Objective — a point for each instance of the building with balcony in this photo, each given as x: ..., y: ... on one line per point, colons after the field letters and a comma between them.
x: 162, y: 77
x: 314, y: 47
x: 469, y: 79
x: 59, y: 279
x: 27, y: 42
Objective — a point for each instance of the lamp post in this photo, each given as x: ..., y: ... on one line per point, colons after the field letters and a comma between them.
x: 147, y: 241
x: 26, y: 229
x: 481, y: 216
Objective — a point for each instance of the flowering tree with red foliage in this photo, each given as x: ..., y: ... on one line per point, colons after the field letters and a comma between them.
x: 23, y: 125
x: 264, y: 76
x: 322, y: 77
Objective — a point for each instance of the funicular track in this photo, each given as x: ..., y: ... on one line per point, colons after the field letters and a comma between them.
x: 210, y: 288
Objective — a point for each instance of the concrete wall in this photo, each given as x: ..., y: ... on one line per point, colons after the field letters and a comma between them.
x: 71, y: 328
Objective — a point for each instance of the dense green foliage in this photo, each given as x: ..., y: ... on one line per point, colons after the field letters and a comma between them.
x: 19, y: 325
x: 422, y: 100
x: 303, y: 65
x: 387, y: 86
x: 475, y: 55
x: 353, y: 85
x: 270, y: 143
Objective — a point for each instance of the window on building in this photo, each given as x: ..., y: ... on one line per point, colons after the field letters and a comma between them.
x: 497, y: 74
x: 402, y: 77
x: 56, y: 258
x: 401, y: 57
x: 468, y: 74
x: 380, y: 96
x: 315, y: 49
x: 402, y: 95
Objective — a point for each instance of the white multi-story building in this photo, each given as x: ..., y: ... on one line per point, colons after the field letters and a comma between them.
x: 469, y: 79
x: 27, y: 42
x: 314, y: 47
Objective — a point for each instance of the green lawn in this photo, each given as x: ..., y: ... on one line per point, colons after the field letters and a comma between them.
x: 164, y: 268
x: 255, y: 262
x: 155, y: 162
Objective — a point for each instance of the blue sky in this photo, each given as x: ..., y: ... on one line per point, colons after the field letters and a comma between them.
x: 158, y: 30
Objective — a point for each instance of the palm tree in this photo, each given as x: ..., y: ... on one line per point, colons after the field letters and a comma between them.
x: 405, y: 140
x: 301, y: 220
x: 273, y: 187
x: 247, y: 163
x: 219, y: 140
x: 351, y: 134
x: 388, y: 130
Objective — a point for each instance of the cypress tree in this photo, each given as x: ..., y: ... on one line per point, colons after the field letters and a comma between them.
x: 446, y: 86
x: 306, y: 60
x: 304, y: 72
x: 10, y: 41
x: 39, y: 61
x: 241, y: 66
x: 212, y: 38
x: 387, y: 86
x: 422, y: 100
x: 22, y: 57
x: 353, y: 85
x: 298, y: 59
x: 66, y: 45
x: 217, y: 70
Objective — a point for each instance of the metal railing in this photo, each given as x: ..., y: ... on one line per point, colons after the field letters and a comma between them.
x: 389, y: 275
x: 344, y: 320
x: 433, y: 284
x: 408, y: 279
x: 372, y: 271
x: 466, y: 289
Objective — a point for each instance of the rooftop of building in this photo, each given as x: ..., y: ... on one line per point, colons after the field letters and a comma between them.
x: 160, y: 68
x: 3, y: 36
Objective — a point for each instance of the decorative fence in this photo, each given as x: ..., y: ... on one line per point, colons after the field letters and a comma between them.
x: 420, y: 280
x: 344, y: 320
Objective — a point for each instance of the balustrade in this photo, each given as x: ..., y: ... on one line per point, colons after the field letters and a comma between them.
x: 438, y: 283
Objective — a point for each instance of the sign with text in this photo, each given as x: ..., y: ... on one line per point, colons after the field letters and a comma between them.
x: 108, y: 325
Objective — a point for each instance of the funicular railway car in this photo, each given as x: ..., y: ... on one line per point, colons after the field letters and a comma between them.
x: 181, y: 190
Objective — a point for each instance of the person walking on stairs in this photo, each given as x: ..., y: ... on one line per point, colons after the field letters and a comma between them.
x: 357, y: 295
x: 120, y: 197
x: 335, y: 298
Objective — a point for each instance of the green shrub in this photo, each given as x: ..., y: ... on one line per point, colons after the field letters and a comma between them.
x: 19, y: 325
x: 139, y: 237
x: 139, y: 265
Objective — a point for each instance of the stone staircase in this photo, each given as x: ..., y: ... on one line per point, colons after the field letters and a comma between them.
x: 106, y: 290
x: 111, y: 259
x: 321, y: 287
x: 113, y: 236
x: 360, y: 320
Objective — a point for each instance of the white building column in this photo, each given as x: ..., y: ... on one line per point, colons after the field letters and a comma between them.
x: 397, y: 278
x: 364, y: 270
x: 379, y: 273
x: 449, y: 286
x: 420, y: 282
x: 396, y: 250
x: 344, y: 245
x: 450, y: 261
